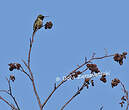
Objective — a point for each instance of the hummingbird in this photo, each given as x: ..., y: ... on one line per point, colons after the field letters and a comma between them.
x: 38, y: 22
x: 37, y: 25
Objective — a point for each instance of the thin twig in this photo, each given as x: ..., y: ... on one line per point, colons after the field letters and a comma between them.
x: 126, y: 95
x: 28, y: 67
x: 22, y: 70
x: 31, y: 74
x: 101, y: 108
x: 10, y: 93
x: 5, y: 91
x: 52, y: 92
x: 33, y: 84
x: 11, y: 105
x: 77, y: 93
x: 31, y: 43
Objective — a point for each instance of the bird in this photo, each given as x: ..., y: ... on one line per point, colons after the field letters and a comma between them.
x: 38, y: 22
x: 37, y: 25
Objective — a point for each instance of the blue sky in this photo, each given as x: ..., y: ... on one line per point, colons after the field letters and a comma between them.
x: 81, y: 27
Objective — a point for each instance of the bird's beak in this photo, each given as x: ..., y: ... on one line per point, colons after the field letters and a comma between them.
x: 46, y: 16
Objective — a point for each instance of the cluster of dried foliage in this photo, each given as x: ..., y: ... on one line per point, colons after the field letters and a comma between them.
x: 87, y: 65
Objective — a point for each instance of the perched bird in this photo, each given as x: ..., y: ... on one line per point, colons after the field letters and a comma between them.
x: 38, y: 22
x: 37, y: 25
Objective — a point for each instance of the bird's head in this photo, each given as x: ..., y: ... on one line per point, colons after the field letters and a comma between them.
x: 41, y: 17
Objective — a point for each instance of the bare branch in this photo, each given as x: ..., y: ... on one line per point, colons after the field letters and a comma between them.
x: 101, y: 108
x: 5, y: 91
x: 67, y: 77
x: 28, y: 67
x: 52, y: 92
x: 77, y: 93
x: 11, y: 105
x: 34, y: 87
x: 22, y: 70
x: 126, y: 95
x: 31, y: 43
x: 93, y: 55
x: 106, y: 51
x: 10, y: 93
